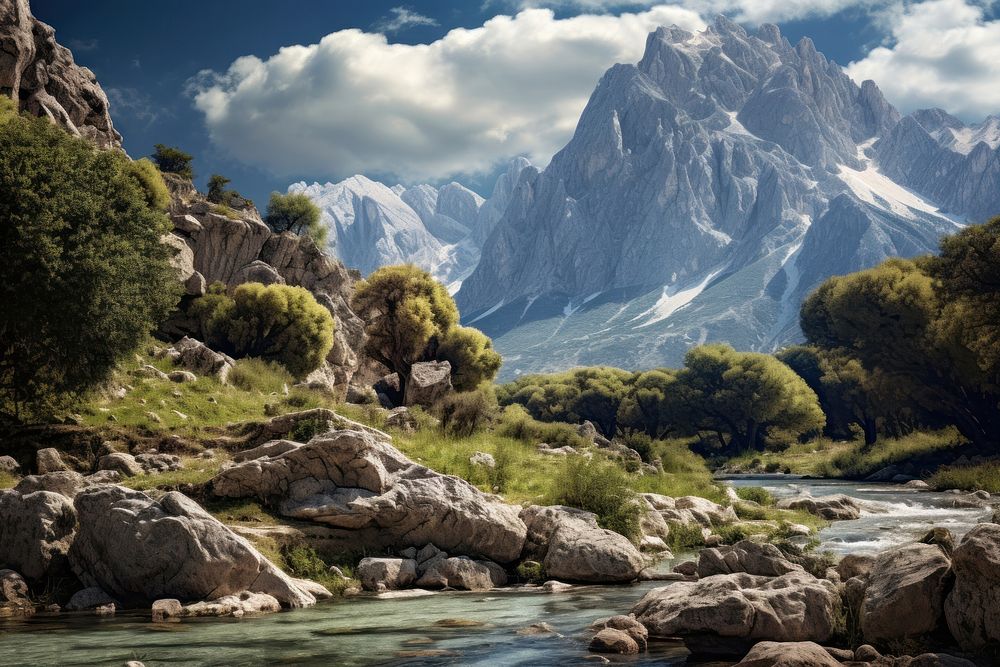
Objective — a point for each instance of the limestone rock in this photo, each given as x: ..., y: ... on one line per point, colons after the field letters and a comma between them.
x: 36, y: 530
x: 64, y: 482
x: 357, y: 481
x: 905, y: 594
x: 386, y: 573
x: 14, y: 595
x: 463, y: 573
x: 855, y: 565
x: 402, y: 419
x: 429, y: 382
x: 271, y: 448
x: 49, y: 460
x: 627, y: 624
x: 40, y: 76
x: 483, y: 459
x: 90, y: 598
x: 788, y: 654
x: 972, y: 609
x: 153, y: 463
x: 793, y: 607
x: 139, y: 549
x: 238, y: 605
x: 831, y: 508
x: 9, y: 465
x: 610, y: 640
x: 198, y: 358
x: 165, y: 609
x: 571, y: 546
x: 123, y: 463
x: 745, y: 556
x: 181, y: 376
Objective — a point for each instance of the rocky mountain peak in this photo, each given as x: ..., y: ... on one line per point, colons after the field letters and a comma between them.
x: 40, y: 75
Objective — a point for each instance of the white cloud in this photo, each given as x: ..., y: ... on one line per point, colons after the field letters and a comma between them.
x: 357, y: 103
x: 942, y: 53
x: 744, y: 11
x: 402, y: 17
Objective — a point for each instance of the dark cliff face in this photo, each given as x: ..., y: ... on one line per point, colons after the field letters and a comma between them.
x: 698, y: 200
x: 39, y: 74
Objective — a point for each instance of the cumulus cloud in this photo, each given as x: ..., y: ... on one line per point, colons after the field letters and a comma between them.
x: 744, y: 11
x: 941, y: 53
x: 355, y: 102
x: 401, y: 18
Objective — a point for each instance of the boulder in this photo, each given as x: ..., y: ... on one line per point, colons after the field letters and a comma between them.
x: 688, y: 510
x: 124, y: 464
x: 610, y: 640
x: 358, y: 482
x: 627, y: 624
x: 238, y: 605
x: 14, y: 596
x: 139, y: 550
x: 463, y: 573
x: 198, y: 358
x: 64, y: 482
x: 36, y: 530
x: 429, y: 382
x: 918, y: 485
x: 49, y: 460
x: 271, y: 448
x: 854, y: 565
x: 9, y: 465
x: 165, y: 609
x: 940, y: 537
x: 788, y: 654
x: 483, y: 459
x: 831, y: 508
x: 402, y: 419
x: 791, y: 608
x: 974, y: 500
x: 379, y: 574
x: 905, y: 593
x: 153, y: 463
x: 745, y: 556
x: 181, y: 376
x: 972, y: 609
x: 573, y: 547
x: 90, y: 598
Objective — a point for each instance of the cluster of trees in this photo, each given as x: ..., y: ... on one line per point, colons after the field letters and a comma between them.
x: 276, y: 323
x: 410, y: 318
x: 219, y: 194
x: 737, y: 400
x: 295, y: 213
x: 922, y: 336
x: 83, y: 274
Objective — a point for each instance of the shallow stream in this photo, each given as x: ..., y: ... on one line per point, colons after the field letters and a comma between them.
x: 452, y: 628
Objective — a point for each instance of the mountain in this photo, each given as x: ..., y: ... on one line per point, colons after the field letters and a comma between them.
x: 706, y: 191
x: 439, y: 229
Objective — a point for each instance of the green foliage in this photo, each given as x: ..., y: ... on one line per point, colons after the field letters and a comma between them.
x: 151, y: 180
x: 683, y: 537
x: 985, y: 476
x: 225, y: 211
x: 303, y: 562
x: 217, y: 188
x: 258, y: 375
x: 472, y: 357
x: 594, y: 394
x: 173, y: 160
x: 7, y: 480
x: 464, y: 413
x: 515, y: 422
x: 295, y: 213
x: 276, y: 323
x: 407, y: 313
x: 651, y: 404
x: 83, y: 272
x: 757, y: 494
x: 747, y: 395
x: 307, y: 429
x: 600, y: 487
x: 858, y: 461
x: 531, y: 572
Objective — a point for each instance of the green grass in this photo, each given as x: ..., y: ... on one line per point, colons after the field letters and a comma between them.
x: 206, y: 402
x: 7, y: 480
x: 756, y: 494
x: 984, y: 477
x: 827, y: 458
x: 195, y: 471
x: 305, y: 563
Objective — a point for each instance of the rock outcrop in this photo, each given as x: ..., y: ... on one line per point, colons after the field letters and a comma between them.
x: 788, y: 654
x: 831, y: 508
x: 356, y: 481
x: 40, y: 75
x: 572, y: 547
x: 905, y: 593
x: 745, y: 556
x: 429, y: 382
x: 139, y: 550
x: 36, y: 531
x: 14, y: 599
x: 972, y: 608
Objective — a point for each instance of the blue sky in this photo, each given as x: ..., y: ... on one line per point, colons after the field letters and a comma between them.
x: 403, y: 98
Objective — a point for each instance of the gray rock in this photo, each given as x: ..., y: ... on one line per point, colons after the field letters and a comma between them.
x: 831, y: 508
x: 972, y: 608
x: 238, y: 605
x: 463, y: 573
x: 745, y: 556
x: 14, y: 595
x: 36, y: 530
x: 610, y: 640
x: 429, y: 382
x: 120, y: 462
x: 198, y: 358
x: 378, y: 574
x: 90, y: 598
x: 153, y: 463
x: 788, y: 654
x: 64, y: 482
x: 9, y: 465
x: 139, y: 550
x: 181, y: 376
x: 571, y: 546
x: 402, y: 419
x: 268, y: 449
x: 905, y: 593
x: 483, y: 459
x: 358, y: 482
x: 49, y: 460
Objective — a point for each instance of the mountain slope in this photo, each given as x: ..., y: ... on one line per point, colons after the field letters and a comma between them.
x: 439, y: 229
x: 706, y: 190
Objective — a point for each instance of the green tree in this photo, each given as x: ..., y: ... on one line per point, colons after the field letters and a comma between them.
x: 406, y: 313
x: 83, y: 274
x: 472, y: 357
x: 217, y: 192
x: 295, y: 213
x: 173, y: 160
x: 746, y: 396
x: 651, y: 404
x: 276, y: 323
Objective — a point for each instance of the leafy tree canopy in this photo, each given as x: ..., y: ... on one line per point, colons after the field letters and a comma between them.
x: 173, y: 160
x: 472, y: 357
x: 295, y: 213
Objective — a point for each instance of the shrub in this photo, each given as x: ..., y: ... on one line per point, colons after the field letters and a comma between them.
x: 600, y: 487
x: 258, y: 375
x: 151, y: 180
x: 531, y: 572
x: 173, y: 160
x: 756, y: 494
x: 464, y: 413
x: 515, y: 422
x: 307, y: 429
x: 85, y: 276
x: 295, y: 213
x: 640, y: 442
x: 684, y: 536
x: 985, y: 477
x: 304, y: 562
x: 471, y: 355
x: 276, y: 323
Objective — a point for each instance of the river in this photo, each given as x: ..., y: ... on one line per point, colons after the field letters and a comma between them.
x: 463, y: 628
